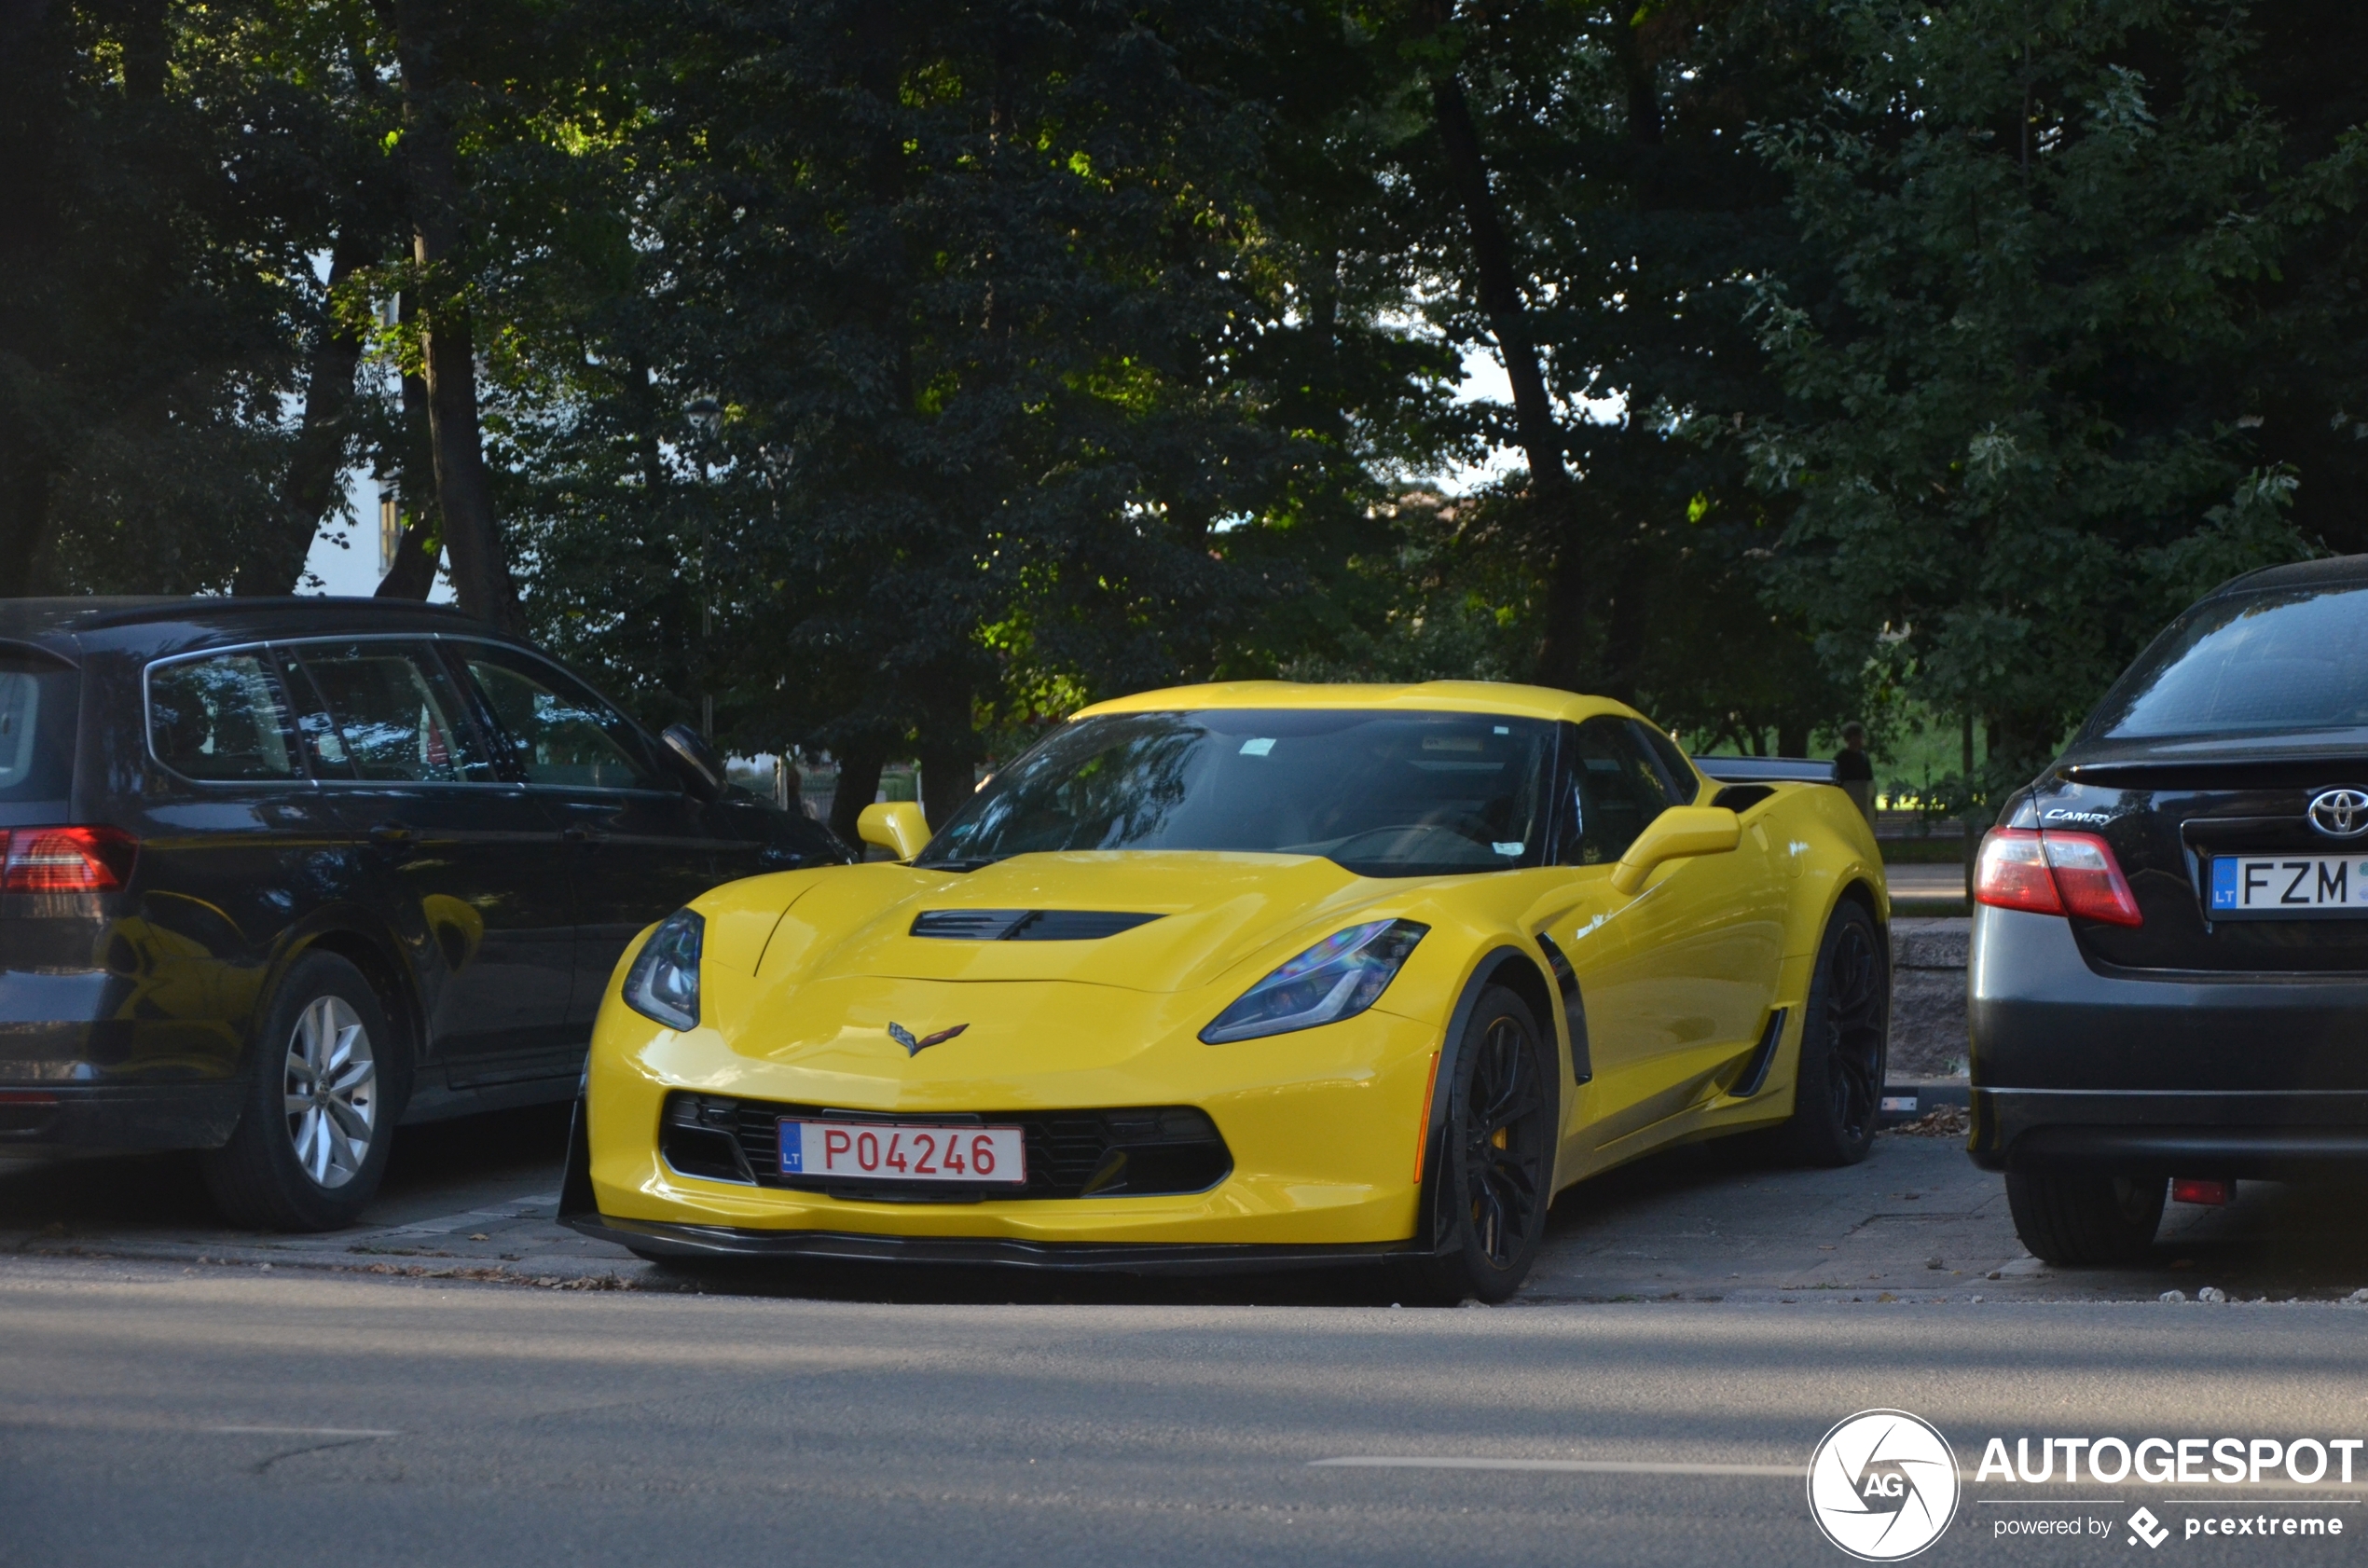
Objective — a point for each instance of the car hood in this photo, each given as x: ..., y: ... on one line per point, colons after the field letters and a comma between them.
x: 1209, y: 913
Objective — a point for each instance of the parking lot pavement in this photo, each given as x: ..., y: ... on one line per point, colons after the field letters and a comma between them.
x: 1916, y: 1223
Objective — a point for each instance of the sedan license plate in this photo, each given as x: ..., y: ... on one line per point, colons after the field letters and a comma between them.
x: 890, y: 1151
x: 2271, y: 886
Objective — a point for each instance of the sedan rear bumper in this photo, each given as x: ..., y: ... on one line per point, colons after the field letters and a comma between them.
x: 2171, y: 1073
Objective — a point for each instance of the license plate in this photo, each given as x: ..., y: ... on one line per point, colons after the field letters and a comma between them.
x: 888, y: 1151
x: 2268, y: 886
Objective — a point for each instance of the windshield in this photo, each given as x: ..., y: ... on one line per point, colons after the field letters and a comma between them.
x: 1383, y: 794
x: 2293, y: 659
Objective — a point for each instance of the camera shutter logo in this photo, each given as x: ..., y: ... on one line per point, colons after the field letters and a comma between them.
x: 1882, y: 1485
x: 2339, y: 813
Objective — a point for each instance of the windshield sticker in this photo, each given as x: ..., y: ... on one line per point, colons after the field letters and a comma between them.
x: 1503, y: 848
x: 1259, y: 748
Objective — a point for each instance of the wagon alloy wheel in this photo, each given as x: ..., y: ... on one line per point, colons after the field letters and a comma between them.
x: 326, y: 1078
x: 332, y: 1092
x: 1495, y: 1167
x: 1845, y: 1044
x: 1504, y: 1159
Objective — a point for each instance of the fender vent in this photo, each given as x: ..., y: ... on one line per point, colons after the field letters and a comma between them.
x: 1027, y: 925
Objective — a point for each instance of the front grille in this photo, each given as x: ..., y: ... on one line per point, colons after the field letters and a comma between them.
x: 1130, y: 1152
x: 1027, y: 925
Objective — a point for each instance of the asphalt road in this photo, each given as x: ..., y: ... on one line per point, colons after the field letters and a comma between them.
x: 462, y: 1382
x: 159, y: 1414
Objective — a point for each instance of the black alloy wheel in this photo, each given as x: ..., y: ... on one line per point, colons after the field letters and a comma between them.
x: 1497, y: 1165
x: 1845, y: 1044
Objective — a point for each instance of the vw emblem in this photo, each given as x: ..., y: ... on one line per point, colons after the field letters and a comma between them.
x: 2340, y: 813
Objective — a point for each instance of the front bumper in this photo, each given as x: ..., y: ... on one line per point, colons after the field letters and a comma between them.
x: 1325, y: 1130
x: 2183, y: 1074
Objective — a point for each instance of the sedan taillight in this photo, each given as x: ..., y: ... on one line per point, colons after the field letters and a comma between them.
x: 2054, y: 873
x: 66, y: 860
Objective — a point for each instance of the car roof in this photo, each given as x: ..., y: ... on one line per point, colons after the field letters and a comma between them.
x: 2334, y: 572
x: 170, y: 625
x: 1500, y: 697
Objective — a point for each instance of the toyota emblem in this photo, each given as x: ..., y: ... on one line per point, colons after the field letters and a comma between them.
x: 2340, y: 813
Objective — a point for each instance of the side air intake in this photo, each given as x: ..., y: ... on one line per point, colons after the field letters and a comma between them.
x: 1027, y: 925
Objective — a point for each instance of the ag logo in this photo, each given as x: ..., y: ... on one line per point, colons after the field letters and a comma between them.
x: 1882, y: 1485
x: 2340, y: 813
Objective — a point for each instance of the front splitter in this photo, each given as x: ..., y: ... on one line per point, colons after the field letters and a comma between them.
x: 658, y: 1239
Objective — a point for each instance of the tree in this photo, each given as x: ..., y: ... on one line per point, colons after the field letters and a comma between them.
x: 2023, y: 430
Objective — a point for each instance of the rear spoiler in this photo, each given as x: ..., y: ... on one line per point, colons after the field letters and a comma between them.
x: 1766, y: 770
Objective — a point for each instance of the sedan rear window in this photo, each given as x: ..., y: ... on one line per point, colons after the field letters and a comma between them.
x: 2285, y: 659
x: 38, y: 701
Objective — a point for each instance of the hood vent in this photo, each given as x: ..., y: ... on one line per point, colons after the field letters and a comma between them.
x: 1025, y: 924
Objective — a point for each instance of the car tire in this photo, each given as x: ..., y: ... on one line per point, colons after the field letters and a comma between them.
x: 1495, y: 1170
x: 1845, y: 1046
x: 2085, y: 1217
x: 326, y: 1085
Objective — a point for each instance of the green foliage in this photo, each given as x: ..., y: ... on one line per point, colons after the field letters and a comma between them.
x: 2022, y: 427
x: 898, y: 375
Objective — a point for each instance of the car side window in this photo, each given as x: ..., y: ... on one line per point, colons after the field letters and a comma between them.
x: 1676, y: 772
x: 398, y: 713
x: 561, y: 731
x: 222, y: 720
x: 1616, y: 787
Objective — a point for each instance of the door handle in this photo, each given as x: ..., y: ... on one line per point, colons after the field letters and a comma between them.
x: 576, y: 833
x: 394, y: 835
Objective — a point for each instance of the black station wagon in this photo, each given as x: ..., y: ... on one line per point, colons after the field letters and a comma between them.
x: 280, y: 875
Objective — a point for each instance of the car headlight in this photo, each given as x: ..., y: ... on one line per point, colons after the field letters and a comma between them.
x: 664, y: 981
x: 1338, y: 978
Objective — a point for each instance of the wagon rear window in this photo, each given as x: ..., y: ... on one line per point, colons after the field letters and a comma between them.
x: 37, y: 703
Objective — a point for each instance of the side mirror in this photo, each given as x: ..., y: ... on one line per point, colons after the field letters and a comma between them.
x: 1675, y: 833
x: 897, y: 827
x: 699, y: 759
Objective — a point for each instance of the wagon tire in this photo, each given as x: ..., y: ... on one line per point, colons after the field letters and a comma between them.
x: 327, y: 1083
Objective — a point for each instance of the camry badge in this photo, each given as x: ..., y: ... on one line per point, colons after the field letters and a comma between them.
x: 903, y: 1037
x: 2340, y: 813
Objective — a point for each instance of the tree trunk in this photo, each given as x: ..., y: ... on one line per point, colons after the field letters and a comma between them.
x: 948, y: 762
x: 465, y: 493
x: 274, y: 564
x: 859, y: 780
x: 24, y: 520
x: 412, y: 572
x: 1561, y: 659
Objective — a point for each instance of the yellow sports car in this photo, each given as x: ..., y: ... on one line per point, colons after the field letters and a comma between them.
x: 1244, y: 975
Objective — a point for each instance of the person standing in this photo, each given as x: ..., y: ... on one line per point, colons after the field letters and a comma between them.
x: 1854, y: 771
